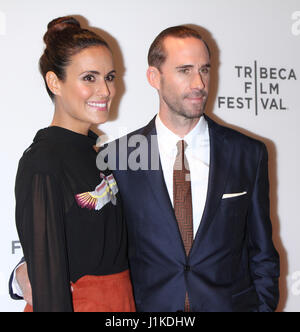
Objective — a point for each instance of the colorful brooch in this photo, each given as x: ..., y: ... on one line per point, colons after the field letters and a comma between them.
x: 104, y: 193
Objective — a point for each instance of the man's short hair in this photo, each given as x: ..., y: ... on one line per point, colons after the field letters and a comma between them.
x: 157, y: 54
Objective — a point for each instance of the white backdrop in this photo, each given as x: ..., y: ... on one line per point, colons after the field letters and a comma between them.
x: 256, y: 46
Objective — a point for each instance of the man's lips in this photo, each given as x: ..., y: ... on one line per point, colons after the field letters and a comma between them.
x: 196, y: 99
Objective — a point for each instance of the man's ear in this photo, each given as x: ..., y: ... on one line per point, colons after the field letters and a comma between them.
x: 53, y: 83
x: 154, y: 76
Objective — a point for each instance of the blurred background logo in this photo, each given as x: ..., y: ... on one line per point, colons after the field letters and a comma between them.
x: 296, y: 24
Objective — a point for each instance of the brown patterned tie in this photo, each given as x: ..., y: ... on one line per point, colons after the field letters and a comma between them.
x: 182, y: 195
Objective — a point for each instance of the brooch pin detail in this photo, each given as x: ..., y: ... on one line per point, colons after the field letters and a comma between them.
x: 104, y: 193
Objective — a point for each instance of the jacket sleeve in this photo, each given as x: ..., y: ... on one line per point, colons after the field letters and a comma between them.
x: 12, y: 280
x: 264, y: 259
x: 40, y: 225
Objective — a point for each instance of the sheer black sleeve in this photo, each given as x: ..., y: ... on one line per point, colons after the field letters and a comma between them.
x: 40, y: 224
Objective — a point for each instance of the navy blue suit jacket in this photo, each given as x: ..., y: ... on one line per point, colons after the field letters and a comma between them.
x: 233, y: 265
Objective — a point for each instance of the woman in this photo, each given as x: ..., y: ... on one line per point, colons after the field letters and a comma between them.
x: 68, y: 213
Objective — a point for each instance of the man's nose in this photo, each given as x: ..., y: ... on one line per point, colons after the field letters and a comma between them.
x: 198, y: 82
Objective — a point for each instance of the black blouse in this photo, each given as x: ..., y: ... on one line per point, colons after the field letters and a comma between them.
x: 68, y: 215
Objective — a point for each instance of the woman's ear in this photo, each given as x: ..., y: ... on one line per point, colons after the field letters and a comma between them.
x: 153, y: 76
x: 53, y: 83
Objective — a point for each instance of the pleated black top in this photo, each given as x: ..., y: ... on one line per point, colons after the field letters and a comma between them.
x: 68, y: 215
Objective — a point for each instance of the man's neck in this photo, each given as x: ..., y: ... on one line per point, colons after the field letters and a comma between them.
x: 179, y: 125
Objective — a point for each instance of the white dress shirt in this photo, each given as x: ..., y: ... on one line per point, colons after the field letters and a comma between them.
x: 198, y: 156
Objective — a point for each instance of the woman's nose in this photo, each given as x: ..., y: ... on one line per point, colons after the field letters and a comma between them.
x: 103, y: 89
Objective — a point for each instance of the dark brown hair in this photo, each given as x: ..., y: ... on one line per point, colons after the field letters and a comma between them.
x: 65, y: 38
x: 157, y: 53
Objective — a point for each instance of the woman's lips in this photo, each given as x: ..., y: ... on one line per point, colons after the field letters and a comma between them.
x: 101, y: 106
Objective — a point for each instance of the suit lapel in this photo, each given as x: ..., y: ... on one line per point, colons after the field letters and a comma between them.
x: 220, y: 161
x: 155, y: 178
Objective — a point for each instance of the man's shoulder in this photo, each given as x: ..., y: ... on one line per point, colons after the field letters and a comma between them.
x: 234, y: 136
x: 143, y: 131
x: 140, y: 132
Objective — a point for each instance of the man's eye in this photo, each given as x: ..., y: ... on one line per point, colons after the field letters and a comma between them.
x: 110, y: 78
x: 204, y: 70
x: 185, y: 71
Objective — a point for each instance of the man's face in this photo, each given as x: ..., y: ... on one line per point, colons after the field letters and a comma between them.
x: 184, y: 77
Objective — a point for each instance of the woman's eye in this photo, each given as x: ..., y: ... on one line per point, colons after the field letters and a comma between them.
x: 89, y: 78
x: 110, y: 78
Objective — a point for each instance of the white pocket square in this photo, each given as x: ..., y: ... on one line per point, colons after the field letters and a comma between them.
x: 234, y: 195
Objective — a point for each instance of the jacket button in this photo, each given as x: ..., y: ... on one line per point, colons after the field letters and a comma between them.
x: 187, y: 268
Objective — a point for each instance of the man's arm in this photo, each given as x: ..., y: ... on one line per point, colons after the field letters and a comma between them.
x: 264, y: 259
x: 19, y: 284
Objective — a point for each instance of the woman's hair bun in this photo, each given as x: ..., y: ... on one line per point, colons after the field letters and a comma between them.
x: 64, y: 39
x: 58, y: 25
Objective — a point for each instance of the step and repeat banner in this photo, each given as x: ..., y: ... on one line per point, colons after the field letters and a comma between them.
x: 255, y: 89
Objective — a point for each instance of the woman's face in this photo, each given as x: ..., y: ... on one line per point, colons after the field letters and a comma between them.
x: 85, y: 96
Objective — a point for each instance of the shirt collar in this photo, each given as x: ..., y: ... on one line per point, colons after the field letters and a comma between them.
x: 194, y: 138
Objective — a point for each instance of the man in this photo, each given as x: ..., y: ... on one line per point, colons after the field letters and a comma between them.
x: 200, y: 236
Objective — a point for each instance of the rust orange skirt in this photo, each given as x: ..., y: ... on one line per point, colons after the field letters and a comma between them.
x: 111, y: 293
